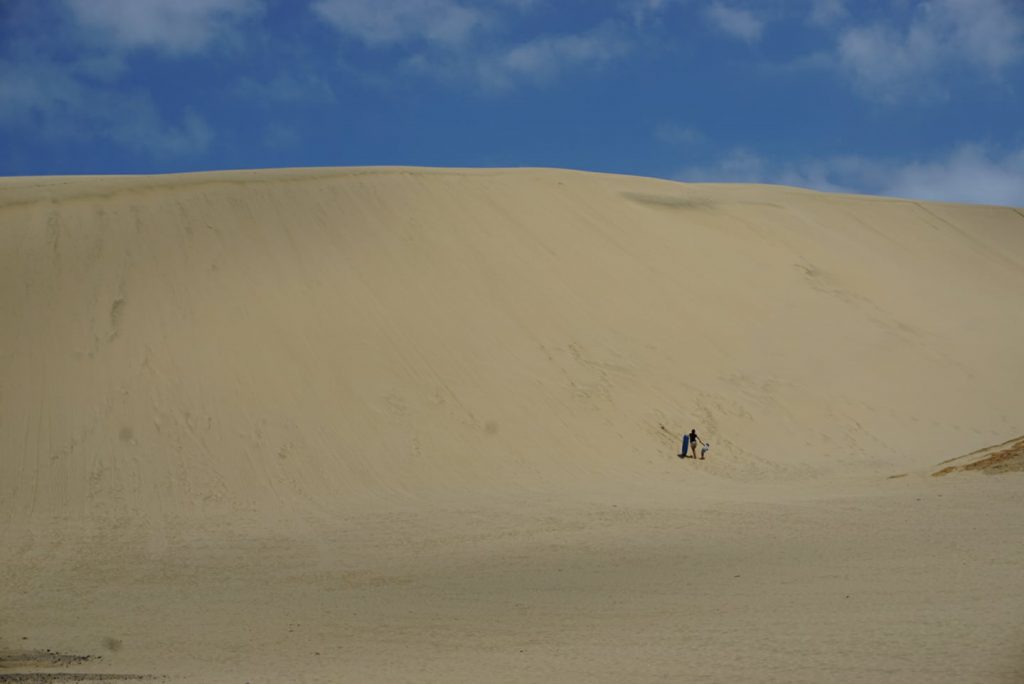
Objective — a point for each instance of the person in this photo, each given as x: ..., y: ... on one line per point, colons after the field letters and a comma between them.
x: 704, y: 449
x: 693, y: 441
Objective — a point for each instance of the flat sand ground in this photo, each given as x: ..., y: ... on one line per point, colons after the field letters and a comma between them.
x: 384, y: 425
x: 906, y: 580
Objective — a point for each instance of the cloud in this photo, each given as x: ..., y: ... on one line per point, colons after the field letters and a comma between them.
x: 738, y: 23
x: 389, y: 22
x: 885, y: 63
x: 889, y: 62
x: 38, y: 94
x: 825, y: 12
x: 543, y: 59
x: 676, y: 134
x: 737, y: 166
x: 969, y: 173
x: 52, y: 102
x: 63, y: 80
x: 456, y: 41
x: 989, y: 30
x: 139, y: 126
x: 521, y: 4
x: 642, y: 11
x: 178, y: 26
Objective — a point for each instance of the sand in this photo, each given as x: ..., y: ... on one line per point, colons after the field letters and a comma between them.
x: 399, y: 424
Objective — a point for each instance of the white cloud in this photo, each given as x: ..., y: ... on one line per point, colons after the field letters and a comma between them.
x: 969, y: 173
x: 739, y: 23
x: 63, y: 82
x: 136, y: 124
x: 521, y: 4
x: 989, y: 31
x: 677, y: 134
x: 885, y: 63
x: 37, y: 93
x: 460, y: 41
x: 51, y: 102
x: 542, y: 59
x: 387, y: 22
x: 643, y: 10
x: 176, y: 26
x: 737, y: 166
x: 891, y: 62
x: 824, y: 12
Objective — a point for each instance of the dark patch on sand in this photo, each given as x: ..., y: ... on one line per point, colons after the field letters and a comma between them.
x: 670, y: 201
x: 41, y: 658
x: 56, y: 677
x: 47, y: 659
x: 116, y: 311
x: 1005, y: 460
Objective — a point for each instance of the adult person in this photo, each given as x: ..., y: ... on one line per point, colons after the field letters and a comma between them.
x: 693, y: 441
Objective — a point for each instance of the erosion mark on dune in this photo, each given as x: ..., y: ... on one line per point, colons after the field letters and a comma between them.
x: 116, y: 311
x: 829, y: 284
x: 824, y: 282
x: 126, y: 435
x: 1001, y: 255
x: 1004, y: 460
x: 53, y: 232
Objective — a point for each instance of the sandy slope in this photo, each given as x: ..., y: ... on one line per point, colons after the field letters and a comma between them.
x: 420, y: 425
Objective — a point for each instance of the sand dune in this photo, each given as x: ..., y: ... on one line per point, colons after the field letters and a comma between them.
x: 397, y: 424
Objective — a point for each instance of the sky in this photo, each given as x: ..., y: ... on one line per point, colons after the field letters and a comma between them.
x: 908, y: 98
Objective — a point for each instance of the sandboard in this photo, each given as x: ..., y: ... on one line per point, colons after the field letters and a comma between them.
x: 686, y: 446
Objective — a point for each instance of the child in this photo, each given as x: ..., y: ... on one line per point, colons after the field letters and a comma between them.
x: 704, y: 449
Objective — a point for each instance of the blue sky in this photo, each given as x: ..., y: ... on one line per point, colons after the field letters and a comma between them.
x: 914, y: 98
